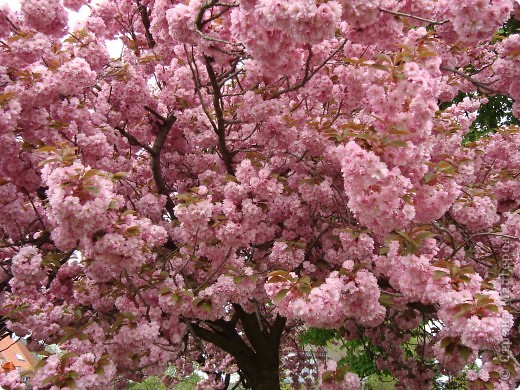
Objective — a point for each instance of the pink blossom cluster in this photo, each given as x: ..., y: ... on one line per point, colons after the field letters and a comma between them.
x: 46, y: 16
x: 79, y: 209
x: 360, y: 13
x: 410, y: 274
x: 267, y: 27
x: 368, y: 181
x: 75, y: 76
x: 336, y: 300
x: 11, y: 380
x: 240, y: 171
x: 466, y: 17
x: 349, y: 382
x: 75, y: 5
x: 508, y: 51
x: 477, y: 212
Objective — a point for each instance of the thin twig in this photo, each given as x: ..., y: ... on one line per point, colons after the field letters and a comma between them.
x: 455, y: 251
x: 308, y: 74
x: 211, y: 275
x: 199, y: 23
x: 429, y: 21
x: 198, y: 87
x: 478, y: 84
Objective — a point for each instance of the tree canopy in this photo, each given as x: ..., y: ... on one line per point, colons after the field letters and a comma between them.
x: 244, y: 171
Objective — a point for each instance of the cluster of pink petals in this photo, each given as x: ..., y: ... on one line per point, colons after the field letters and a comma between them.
x: 375, y: 193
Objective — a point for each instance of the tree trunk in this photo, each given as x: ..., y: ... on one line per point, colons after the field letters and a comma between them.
x: 266, y: 380
x: 262, y: 375
x: 259, y: 359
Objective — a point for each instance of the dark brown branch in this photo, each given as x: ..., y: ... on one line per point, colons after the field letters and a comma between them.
x: 211, y: 275
x: 480, y: 85
x: 232, y: 72
x: 164, y: 126
x: 164, y: 129
x: 199, y: 23
x: 220, y: 126
x: 40, y: 219
x: 155, y: 113
x: 308, y: 74
x: 143, y: 10
x: 225, y: 153
x: 13, y: 26
x: 134, y: 141
x: 257, y: 338
x: 219, y: 14
x: 198, y: 86
x: 229, y: 341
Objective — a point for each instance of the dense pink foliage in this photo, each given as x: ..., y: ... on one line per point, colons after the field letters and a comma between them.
x: 244, y: 170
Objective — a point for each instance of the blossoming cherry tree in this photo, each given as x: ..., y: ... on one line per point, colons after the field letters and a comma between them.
x: 246, y: 170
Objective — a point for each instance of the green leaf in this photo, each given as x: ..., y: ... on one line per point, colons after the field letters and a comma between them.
x: 299, y: 244
x: 72, y: 374
x: 207, y: 306
x: 47, y: 148
x: 439, y: 274
x: 445, y: 342
x: 424, y: 235
x: 468, y: 270
x: 380, y: 67
x: 428, y: 176
x: 398, y: 143
x: 119, y: 175
x: 384, y: 250
x: 327, y: 376
x: 386, y: 300
x: 305, y: 279
x: 276, y: 279
x: 464, y: 352
x: 127, y: 212
x: 492, y: 308
x: 164, y: 290
x: 427, y: 53
x: 92, y: 189
x: 66, y: 356
x: 280, y: 273
x: 128, y: 314
x: 49, y: 160
x: 445, y: 167
x: 78, y: 314
x: 280, y: 296
x: 463, y: 309
x: 383, y: 57
x: 50, y: 380
x: 369, y: 137
x: 91, y: 173
x: 305, y: 288
x: 483, y: 300
x: 133, y: 231
x: 41, y: 363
